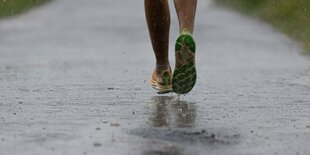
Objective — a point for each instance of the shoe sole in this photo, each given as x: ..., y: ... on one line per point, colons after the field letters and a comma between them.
x: 185, y: 75
x: 161, y: 89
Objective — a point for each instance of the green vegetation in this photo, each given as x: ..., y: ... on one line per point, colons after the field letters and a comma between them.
x: 13, y: 7
x: 289, y: 16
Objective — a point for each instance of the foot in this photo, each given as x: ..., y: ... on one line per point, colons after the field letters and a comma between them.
x: 161, y: 81
x: 184, y: 75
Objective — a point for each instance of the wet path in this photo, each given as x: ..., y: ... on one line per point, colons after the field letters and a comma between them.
x: 73, y: 80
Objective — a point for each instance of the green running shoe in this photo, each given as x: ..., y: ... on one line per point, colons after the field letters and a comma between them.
x: 184, y: 75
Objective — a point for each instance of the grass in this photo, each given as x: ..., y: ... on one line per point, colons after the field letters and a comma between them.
x: 289, y: 16
x: 14, y: 7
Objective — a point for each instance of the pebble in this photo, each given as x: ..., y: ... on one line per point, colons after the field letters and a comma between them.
x: 97, y: 144
x: 115, y: 124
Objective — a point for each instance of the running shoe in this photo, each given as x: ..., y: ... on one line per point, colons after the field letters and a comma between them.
x: 184, y: 75
x: 162, y: 82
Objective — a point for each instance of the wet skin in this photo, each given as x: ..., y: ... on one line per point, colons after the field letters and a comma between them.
x: 158, y: 21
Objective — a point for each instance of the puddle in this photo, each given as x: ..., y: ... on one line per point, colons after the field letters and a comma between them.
x: 171, y: 112
x: 174, y: 120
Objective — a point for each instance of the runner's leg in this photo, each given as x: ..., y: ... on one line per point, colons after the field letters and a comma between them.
x: 185, y: 74
x: 186, y: 10
x: 158, y: 20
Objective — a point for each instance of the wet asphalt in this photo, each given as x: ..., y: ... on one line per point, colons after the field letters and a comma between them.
x: 74, y: 80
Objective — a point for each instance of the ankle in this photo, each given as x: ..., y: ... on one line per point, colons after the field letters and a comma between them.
x: 160, y: 67
x: 186, y: 31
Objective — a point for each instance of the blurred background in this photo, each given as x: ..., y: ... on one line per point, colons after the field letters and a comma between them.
x: 14, y: 7
x: 289, y: 16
